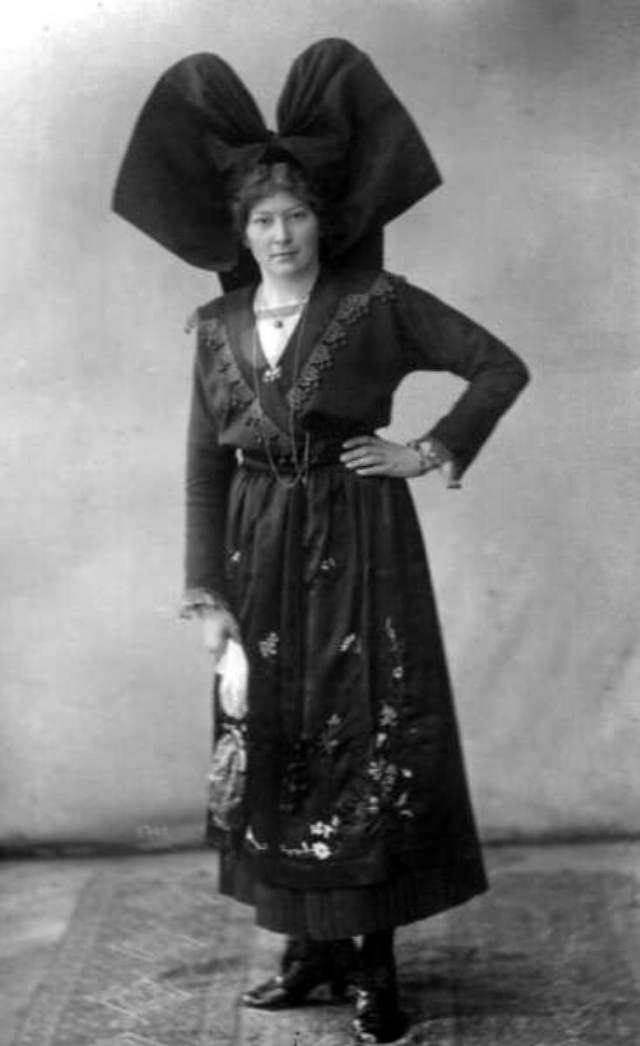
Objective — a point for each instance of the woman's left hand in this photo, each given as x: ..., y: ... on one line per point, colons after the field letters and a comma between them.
x: 373, y: 456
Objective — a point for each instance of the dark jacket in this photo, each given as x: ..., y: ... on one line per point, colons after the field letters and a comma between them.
x: 363, y: 334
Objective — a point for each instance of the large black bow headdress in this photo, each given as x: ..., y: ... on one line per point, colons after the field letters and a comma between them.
x: 337, y: 117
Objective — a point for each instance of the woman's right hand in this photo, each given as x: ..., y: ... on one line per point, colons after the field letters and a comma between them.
x: 221, y: 638
x: 233, y: 680
x: 218, y: 625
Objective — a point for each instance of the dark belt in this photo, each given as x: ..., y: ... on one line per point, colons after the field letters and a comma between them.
x: 286, y: 466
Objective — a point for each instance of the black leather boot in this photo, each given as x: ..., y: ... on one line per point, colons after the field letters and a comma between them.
x: 305, y: 965
x: 377, y: 1017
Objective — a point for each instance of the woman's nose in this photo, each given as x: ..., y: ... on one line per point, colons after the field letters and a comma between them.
x: 281, y: 230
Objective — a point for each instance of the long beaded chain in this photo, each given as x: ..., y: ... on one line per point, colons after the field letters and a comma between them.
x: 300, y: 461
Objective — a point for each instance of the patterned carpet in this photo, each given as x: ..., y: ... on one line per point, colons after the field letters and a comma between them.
x: 153, y: 957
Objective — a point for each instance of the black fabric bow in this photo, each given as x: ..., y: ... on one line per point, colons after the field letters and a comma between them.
x: 336, y: 116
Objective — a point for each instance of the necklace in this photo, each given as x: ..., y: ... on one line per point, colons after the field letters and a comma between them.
x: 277, y: 314
x: 300, y: 457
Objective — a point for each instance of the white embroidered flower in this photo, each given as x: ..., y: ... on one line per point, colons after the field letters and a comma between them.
x: 390, y: 775
x: 269, y: 645
x: 322, y: 829
x: 328, y: 740
x: 375, y: 770
x: 391, y: 632
x: 388, y: 715
x: 321, y: 851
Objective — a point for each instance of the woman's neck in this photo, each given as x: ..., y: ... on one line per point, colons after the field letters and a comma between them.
x: 284, y: 291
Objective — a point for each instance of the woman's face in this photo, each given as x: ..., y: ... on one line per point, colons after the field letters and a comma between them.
x: 282, y: 234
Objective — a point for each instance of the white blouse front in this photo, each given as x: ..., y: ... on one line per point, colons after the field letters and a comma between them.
x: 274, y: 336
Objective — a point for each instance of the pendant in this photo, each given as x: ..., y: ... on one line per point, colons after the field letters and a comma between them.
x: 272, y: 374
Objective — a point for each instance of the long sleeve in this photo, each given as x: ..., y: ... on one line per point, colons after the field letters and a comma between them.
x: 438, y: 337
x: 210, y: 466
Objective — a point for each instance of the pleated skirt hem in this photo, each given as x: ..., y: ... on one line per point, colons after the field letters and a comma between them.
x: 339, y: 913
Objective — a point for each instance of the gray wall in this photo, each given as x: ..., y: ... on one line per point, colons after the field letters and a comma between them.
x: 530, y: 108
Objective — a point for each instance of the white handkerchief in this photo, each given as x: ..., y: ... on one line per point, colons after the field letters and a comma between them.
x: 233, y: 684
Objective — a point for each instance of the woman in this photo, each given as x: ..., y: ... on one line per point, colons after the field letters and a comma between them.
x: 302, y: 541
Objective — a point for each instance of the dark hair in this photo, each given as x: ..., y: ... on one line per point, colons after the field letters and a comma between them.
x: 266, y: 178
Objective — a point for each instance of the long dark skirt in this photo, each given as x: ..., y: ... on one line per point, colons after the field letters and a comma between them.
x: 357, y: 813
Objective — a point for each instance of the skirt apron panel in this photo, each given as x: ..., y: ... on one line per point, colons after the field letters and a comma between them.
x: 355, y: 778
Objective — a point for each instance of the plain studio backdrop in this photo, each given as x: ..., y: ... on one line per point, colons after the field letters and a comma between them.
x: 530, y: 108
